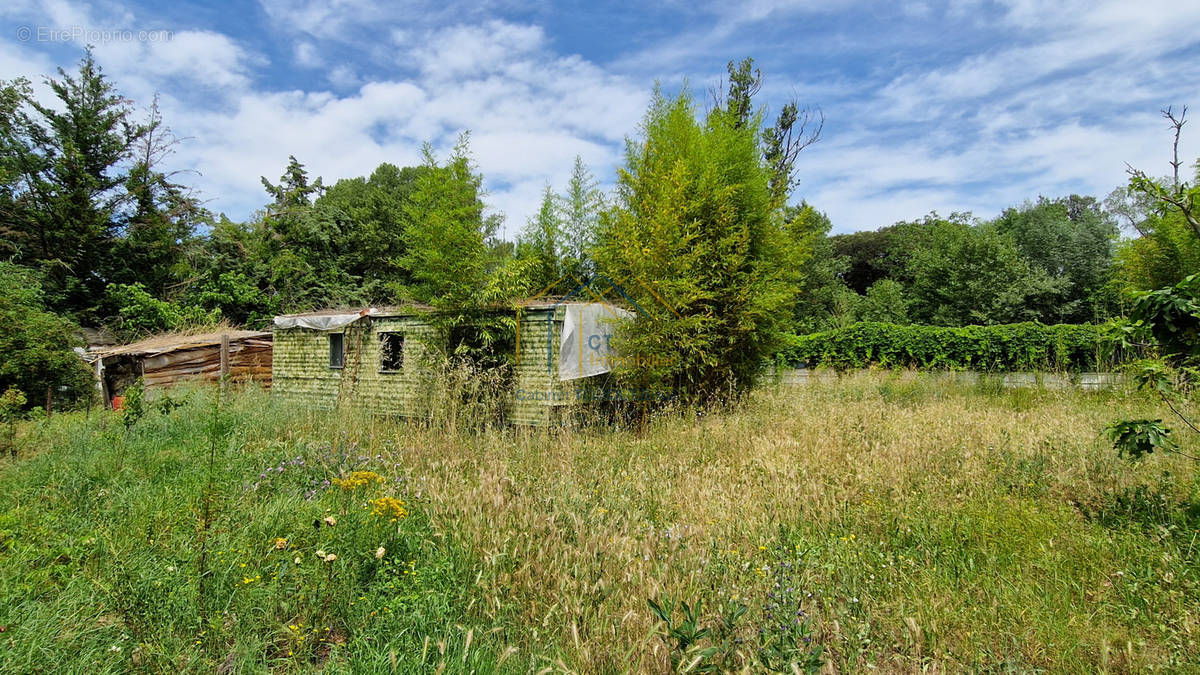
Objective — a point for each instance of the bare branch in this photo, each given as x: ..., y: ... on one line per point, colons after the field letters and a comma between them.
x: 1176, y: 124
x: 793, y: 132
x: 1185, y: 421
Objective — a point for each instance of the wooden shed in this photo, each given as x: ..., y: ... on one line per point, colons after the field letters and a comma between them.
x: 170, y: 358
x: 375, y: 357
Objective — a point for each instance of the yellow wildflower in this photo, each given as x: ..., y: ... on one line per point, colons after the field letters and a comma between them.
x: 357, y: 479
x: 280, y: 543
x: 388, y: 507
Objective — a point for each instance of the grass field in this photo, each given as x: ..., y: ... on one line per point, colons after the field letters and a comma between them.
x: 880, y: 521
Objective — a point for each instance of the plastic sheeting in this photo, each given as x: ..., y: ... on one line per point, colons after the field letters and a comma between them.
x: 321, y: 321
x: 586, y: 345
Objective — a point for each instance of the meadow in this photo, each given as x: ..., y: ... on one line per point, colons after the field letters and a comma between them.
x: 880, y: 521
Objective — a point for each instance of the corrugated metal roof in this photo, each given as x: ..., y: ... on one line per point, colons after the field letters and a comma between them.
x: 388, y: 310
x: 170, y: 342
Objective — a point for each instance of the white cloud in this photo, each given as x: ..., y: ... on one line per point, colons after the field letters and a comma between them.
x: 865, y: 184
x: 360, y: 21
x: 188, y: 59
x: 343, y: 77
x: 319, y: 18
x: 307, y: 55
x: 1062, y: 98
x: 530, y: 110
x: 16, y: 62
x: 1037, y: 99
x: 757, y: 10
x: 470, y: 51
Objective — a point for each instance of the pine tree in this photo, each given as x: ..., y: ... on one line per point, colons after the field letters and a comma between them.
x: 581, y: 205
x: 163, y: 216
x: 301, y: 244
x: 66, y: 167
x: 541, y: 244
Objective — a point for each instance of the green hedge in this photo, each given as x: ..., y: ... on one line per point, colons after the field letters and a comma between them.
x: 1008, y: 347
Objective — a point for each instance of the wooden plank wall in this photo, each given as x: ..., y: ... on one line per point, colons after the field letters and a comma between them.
x: 249, y: 360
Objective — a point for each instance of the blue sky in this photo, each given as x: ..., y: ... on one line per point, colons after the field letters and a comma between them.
x: 962, y: 106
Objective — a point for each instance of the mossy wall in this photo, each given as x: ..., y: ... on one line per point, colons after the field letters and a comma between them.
x: 301, y: 372
x: 538, y: 397
x: 300, y: 367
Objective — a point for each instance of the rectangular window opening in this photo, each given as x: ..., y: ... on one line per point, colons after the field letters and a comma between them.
x: 337, y: 350
x: 391, y: 352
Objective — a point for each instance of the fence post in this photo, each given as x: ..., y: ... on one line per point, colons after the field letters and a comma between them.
x: 224, y: 357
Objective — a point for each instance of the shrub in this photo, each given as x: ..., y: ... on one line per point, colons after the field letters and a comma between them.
x: 236, y: 297
x: 37, y: 345
x: 885, y: 302
x: 140, y: 312
x: 1018, y: 346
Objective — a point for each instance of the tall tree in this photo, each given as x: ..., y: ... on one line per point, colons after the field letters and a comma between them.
x: 371, y: 213
x: 162, y: 218
x: 1071, y: 241
x: 446, y: 251
x: 964, y: 274
x: 233, y: 271
x: 823, y: 300
x: 66, y: 164
x: 294, y: 191
x: 37, y: 344
x: 581, y: 205
x: 1178, y: 196
x: 302, y: 244
x: 885, y: 253
x: 1166, y: 214
x: 541, y: 243
x: 15, y: 198
x: 795, y: 128
x: 698, y: 242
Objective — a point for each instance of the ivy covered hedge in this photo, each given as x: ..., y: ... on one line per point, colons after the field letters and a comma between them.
x: 1008, y: 347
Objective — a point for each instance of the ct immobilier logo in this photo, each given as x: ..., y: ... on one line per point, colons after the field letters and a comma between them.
x: 593, y: 308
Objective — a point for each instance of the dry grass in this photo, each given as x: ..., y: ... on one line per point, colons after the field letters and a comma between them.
x: 943, y: 528
x: 938, y: 527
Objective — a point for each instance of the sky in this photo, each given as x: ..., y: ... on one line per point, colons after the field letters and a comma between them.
x: 928, y: 106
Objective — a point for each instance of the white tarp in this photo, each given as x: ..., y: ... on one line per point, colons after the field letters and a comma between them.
x: 322, y: 321
x: 586, y: 346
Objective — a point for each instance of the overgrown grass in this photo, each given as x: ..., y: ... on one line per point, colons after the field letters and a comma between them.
x: 101, y: 547
x: 909, y: 524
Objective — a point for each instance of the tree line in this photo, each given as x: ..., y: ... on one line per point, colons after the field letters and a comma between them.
x: 96, y: 231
